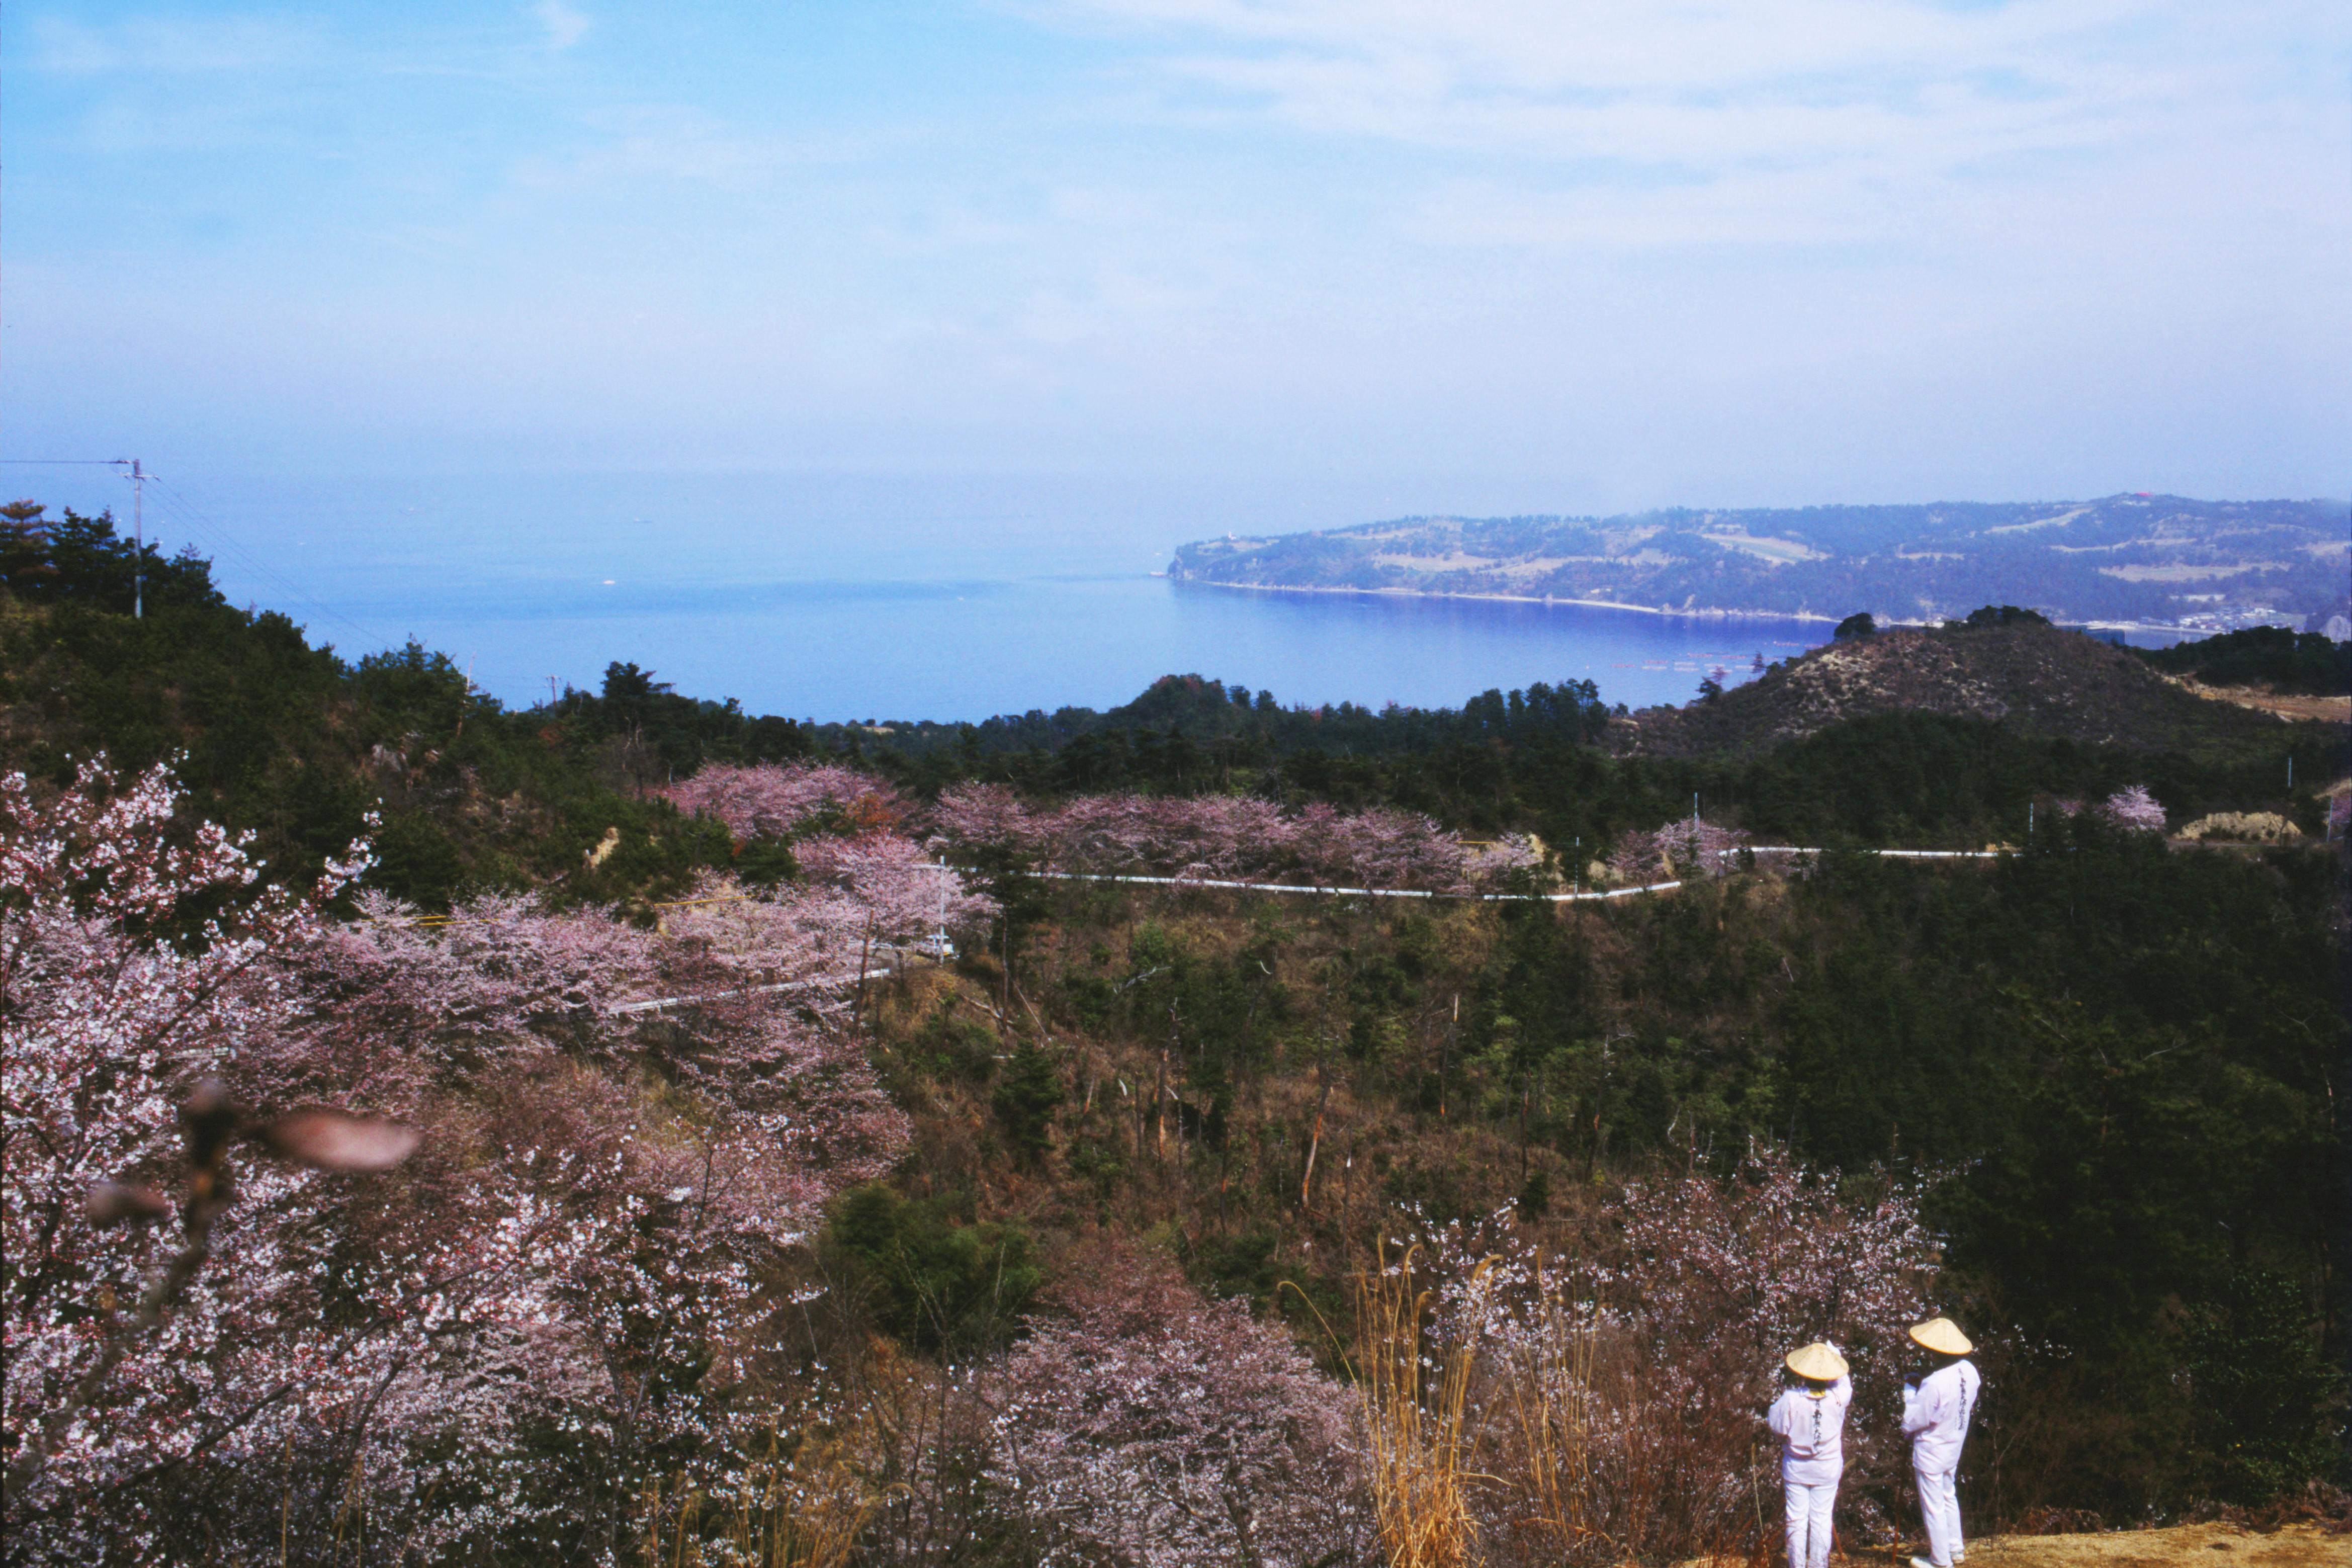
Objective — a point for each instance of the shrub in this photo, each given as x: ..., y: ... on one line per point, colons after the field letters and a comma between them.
x: 2269, y: 1406
x: 930, y: 1281
x: 1149, y: 1427
x: 1026, y: 1100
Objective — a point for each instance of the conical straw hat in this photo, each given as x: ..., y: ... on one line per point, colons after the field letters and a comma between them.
x: 1818, y: 1362
x: 1943, y: 1336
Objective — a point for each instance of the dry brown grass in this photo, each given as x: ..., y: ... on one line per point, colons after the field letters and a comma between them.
x: 1550, y: 1431
x: 2249, y: 826
x: 2290, y: 706
x: 1415, y: 1431
x: 805, y: 1508
x: 2184, y: 1546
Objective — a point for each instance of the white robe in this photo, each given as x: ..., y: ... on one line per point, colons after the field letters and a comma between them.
x: 1811, y: 1430
x: 1936, y: 1414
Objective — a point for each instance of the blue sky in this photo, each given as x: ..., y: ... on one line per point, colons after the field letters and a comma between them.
x: 1466, y: 254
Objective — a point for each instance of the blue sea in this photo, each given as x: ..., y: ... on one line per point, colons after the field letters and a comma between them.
x: 850, y: 599
x: 969, y: 648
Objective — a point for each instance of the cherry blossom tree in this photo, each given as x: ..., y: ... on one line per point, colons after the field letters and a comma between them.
x: 1685, y: 847
x: 136, y: 963
x: 1722, y: 1276
x: 564, y: 1289
x: 2134, y: 808
x: 1618, y: 1393
x: 1220, y: 838
x: 777, y: 800
x: 905, y: 893
x: 1149, y: 1427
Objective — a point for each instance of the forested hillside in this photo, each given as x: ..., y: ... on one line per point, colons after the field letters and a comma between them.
x: 812, y: 1164
x: 2168, y: 560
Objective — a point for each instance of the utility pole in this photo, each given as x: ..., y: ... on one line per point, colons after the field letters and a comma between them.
x: 138, y: 541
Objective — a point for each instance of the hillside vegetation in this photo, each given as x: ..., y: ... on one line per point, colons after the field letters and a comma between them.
x: 2269, y: 657
x: 2155, y: 559
x: 752, y: 1223
x: 2019, y: 671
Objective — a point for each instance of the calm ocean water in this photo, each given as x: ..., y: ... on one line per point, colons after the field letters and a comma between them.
x: 899, y: 598
x: 967, y: 649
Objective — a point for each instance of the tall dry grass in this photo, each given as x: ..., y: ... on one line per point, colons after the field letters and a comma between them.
x: 804, y: 1508
x: 1546, y: 1443
x: 1415, y: 1392
x: 802, y: 1503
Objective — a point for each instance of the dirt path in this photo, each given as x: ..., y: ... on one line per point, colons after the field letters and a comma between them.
x: 2184, y: 1546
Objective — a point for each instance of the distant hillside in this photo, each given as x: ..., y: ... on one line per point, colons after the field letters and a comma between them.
x: 2158, y: 560
x: 2038, y: 679
x: 272, y: 734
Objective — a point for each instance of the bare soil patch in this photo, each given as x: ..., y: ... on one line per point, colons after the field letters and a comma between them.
x: 2326, y: 709
x: 2182, y: 1546
x: 2210, y: 1545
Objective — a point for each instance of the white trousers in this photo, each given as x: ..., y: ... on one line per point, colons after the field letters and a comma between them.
x: 1939, y: 1508
x: 1810, y: 1508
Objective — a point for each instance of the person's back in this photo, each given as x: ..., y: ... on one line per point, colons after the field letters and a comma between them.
x: 1809, y: 1421
x: 1937, y: 1413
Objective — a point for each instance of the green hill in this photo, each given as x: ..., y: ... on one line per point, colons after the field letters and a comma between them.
x: 2035, y: 678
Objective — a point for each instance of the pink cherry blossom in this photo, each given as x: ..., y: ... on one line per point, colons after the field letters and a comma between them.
x: 1685, y: 847
x: 623, y: 1128
x: 1220, y: 837
x: 1147, y: 1426
x: 776, y: 800
x: 2134, y: 808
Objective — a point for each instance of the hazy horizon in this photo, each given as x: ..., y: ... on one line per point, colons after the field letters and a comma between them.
x: 1495, y: 256
x: 446, y: 309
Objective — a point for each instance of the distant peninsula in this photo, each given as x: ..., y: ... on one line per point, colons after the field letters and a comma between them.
x: 2156, y: 562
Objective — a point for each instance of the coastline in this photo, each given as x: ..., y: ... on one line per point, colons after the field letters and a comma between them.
x: 1701, y: 614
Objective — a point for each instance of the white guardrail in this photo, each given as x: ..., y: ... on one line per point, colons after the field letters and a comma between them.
x: 1579, y: 897
x: 884, y: 949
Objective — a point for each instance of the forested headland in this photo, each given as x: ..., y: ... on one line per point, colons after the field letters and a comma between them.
x: 2201, y: 566
x: 784, y: 1143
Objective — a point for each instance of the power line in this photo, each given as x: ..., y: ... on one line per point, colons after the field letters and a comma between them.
x: 138, y: 478
x: 191, y: 516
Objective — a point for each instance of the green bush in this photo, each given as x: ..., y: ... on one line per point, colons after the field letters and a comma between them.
x: 926, y: 1280
x: 947, y: 1049
x: 2269, y: 1406
x: 1026, y: 1100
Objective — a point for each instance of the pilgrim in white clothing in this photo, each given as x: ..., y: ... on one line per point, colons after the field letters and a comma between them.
x: 1936, y: 1414
x: 1809, y: 1421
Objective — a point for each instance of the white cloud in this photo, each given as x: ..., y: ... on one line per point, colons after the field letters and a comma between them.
x: 1819, y: 119
x: 144, y: 44
x: 565, y: 27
